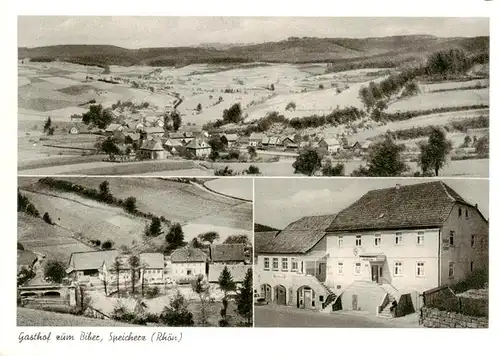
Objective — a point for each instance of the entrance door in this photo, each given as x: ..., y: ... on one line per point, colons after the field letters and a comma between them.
x: 265, y: 292
x: 307, y: 299
x: 354, y: 302
x: 280, y: 295
x: 375, y: 273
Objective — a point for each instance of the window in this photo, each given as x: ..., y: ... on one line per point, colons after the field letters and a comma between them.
x: 284, y: 264
x: 466, y: 213
x: 340, y: 241
x: 275, y: 263
x: 399, y: 238
x: 459, y: 212
x: 420, y: 238
x: 398, y: 268
x: 321, y: 298
x: 358, y: 240
x: 377, y: 240
x: 295, y: 265
x: 357, y: 268
x: 471, y: 266
x: 472, y: 238
x: 451, y: 270
x: 340, y: 267
x: 452, y: 238
x: 188, y: 272
x: 420, y: 269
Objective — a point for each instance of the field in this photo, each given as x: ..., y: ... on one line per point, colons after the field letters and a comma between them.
x: 55, y: 242
x: 60, y: 89
x: 198, y: 210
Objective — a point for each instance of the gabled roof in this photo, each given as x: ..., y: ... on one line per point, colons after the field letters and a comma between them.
x: 274, y: 140
x: 196, y: 143
x: 262, y: 240
x: 153, y: 130
x: 330, y: 141
x: 172, y: 142
x: 298, y: 237
x: 265, y: 140
x: 238, y: 272
x: 227, y: 252
x: 92, y: 259
x: 231, y: 137
x: 152, y: 260
x: 113, y: 127
x: 176, y: 135
x: 406, y: 206
x: 152, y: 145
x: 81, y: 127
x: 188, y: 254
x: 133, y: 136
x: 256, y: 136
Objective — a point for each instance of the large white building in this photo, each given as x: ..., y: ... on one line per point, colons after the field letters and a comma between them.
x: 390, y: 245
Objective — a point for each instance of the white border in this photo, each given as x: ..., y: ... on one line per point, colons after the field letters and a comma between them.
x: 238, y: 341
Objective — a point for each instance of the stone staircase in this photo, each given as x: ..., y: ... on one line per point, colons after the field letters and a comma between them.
x: 386, y: 311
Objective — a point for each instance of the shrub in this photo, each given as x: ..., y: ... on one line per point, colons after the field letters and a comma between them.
x: 290, y: 106
x: 47, y: 219
x: 253, y: 170
x: 226, y: 171
x: 107, y: 245
x: 153, y: 292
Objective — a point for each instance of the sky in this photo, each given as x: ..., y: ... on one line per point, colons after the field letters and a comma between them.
x: 281, y: 201
x: 140, y: 32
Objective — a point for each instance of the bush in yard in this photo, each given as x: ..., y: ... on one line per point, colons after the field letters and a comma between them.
x: 384, y: 160
x: 177, y: 314
x: 329, y: 170
x: 153, y: 292
x: 290, y: 106
x: 55, y: 271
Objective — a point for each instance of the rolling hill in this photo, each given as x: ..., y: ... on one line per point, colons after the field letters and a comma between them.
x: 292, y: 50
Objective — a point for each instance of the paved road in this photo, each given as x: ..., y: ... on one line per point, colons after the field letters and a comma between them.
x: 273, y: 316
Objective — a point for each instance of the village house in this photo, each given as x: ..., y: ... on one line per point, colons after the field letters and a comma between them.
x: 112, y: 128
x: 291, y: 264
x: 255, y: 139
x: 199, y: 147
x: 153, y: 121
x: 93, y: 266
x: 243, y: 141
x: 332, y: 145
x: 228, y: 253
x: 153, y: 131
x: 187, y: 263
x: 402, y: 241
x: 76, y: 128
x: 232, y: 139
x: 152, y: 149
x: 388, y: 247
x: 152, y: 267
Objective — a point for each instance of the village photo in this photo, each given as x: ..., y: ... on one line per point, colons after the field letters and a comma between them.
x: 95, y: 251
x: 271, y: 96
x: 371, y: 253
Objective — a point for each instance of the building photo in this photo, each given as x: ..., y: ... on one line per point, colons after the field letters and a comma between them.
x: 371, y: 253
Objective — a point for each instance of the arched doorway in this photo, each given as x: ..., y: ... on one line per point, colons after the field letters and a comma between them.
x: 306, y: 298
x: 280, y: 295
x: 266, y: 292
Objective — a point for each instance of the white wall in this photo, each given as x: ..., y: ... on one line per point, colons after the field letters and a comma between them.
x: 180, y: 270
x: 409, y: 253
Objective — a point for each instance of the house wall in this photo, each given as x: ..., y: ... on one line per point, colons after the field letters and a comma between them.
x: 461, y: 254
x: 153, y: 275
x: 291, y: 280
x: 408, y: 253
x: 187, y: 270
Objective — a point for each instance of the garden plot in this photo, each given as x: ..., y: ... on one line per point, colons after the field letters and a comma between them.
x: 89, y: 218
x: 429, y: 101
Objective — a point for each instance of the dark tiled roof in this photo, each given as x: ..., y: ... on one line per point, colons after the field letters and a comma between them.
x: 227, y: 252
x: 91, y: 259
x: 188, y: 254
x: 298, y: 237
x: 406, y: 206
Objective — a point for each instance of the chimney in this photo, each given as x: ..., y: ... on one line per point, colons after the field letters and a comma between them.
x: 398, y: 186
x: 476, y: 205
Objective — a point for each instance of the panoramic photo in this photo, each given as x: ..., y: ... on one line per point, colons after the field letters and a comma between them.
x: 364, y: 253
x: 226, y: 96
x: 95, y: 251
